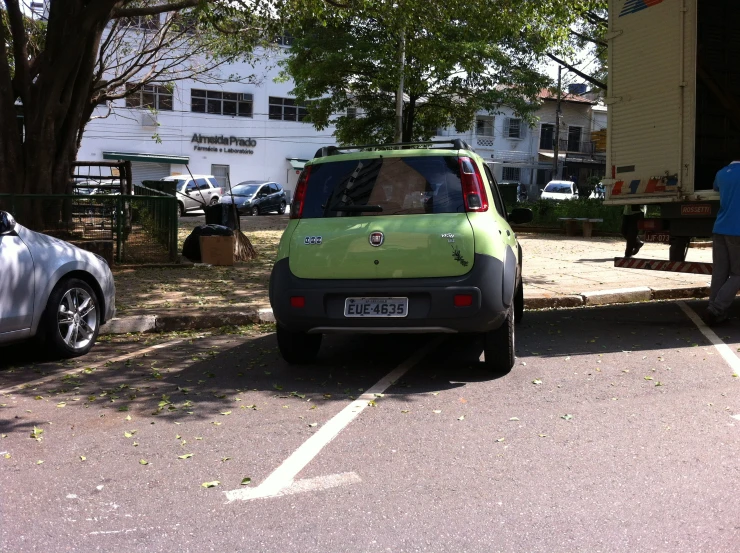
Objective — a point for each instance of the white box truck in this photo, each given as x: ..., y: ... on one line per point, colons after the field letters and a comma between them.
x: 673, y: 112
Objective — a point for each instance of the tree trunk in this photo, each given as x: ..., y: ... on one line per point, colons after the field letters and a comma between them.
x: 56, y: 108
x: 408, y: 120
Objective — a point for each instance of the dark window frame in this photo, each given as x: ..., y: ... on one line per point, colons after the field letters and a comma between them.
x: 156, y: 97
x: 277, y: 109
x: 219, y: 102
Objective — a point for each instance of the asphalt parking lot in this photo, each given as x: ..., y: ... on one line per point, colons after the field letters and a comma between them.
x: 617, y: 430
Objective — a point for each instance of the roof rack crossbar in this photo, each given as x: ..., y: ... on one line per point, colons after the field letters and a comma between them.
x: 455, y: 144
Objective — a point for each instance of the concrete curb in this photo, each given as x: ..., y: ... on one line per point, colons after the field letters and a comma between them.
x: 168, y: 323
x: 165, y: 323
x: 619, y: 296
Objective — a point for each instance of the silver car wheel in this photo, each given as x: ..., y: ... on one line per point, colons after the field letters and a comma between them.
x: 77, y: 318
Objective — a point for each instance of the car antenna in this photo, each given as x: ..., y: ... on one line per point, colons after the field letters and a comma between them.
x: 199, y: 191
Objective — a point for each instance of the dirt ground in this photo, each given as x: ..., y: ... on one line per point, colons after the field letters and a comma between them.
x: 202, y: 287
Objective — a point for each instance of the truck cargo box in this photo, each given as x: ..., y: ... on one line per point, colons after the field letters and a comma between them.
x: 673, y: 98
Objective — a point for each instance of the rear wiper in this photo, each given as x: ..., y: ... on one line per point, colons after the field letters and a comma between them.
x: 358, y: 208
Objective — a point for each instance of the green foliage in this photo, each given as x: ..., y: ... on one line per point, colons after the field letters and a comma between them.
x: 547, y: 212
x: 460, y: 57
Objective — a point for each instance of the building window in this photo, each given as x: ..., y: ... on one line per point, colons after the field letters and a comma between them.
x: 574, y: 139
x: 285, y: 109
x: 484, y: 126
x: 547, y: 135
x: 513, y: 128
x: 351, y: 113
x: 150, y: 96
x: 236, y: 104
x: 221, y: 174
x: 285, y: 40
x: 511, y: 174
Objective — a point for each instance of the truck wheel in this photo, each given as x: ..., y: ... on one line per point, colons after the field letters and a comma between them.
x: 519, y: 303
x: 498, y: 346
x: 71, y: 320
x: 298, y: 348
x: 679, y: 247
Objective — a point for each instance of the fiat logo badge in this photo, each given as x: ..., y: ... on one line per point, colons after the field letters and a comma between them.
x: 376, y: 239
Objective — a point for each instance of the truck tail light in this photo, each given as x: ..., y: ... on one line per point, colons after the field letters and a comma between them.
x: 299, y: 198
x: 474, y: 193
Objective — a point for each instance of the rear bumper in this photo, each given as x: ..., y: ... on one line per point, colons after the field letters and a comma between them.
x: 431, y: 300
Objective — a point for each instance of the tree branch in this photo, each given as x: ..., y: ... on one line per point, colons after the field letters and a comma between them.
x: 588, y: 38
x: 20, y: 53
x: 154, y: 10
x: 581, y: 74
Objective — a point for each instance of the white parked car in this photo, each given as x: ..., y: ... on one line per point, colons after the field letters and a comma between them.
x: 195, y: 192
x: 51, y: 290
x: 560, y: 190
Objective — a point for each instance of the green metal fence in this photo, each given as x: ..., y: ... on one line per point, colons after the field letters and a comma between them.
x: 141, y: 228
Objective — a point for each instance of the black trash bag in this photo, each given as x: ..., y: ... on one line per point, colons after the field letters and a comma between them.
x: 191, y: 246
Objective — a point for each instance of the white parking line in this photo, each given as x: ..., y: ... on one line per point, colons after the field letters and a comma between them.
x: 38, y: 381
x: 723, y: 349
x: 282, y: 478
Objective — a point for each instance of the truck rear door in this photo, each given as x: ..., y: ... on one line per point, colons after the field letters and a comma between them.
x: 651, y: 99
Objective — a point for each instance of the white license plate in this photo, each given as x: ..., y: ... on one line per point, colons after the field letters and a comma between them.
x: 376, y: 307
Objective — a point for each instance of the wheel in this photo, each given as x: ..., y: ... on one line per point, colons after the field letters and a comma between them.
x: 519, y: 303
x: 498, y: 346
x: 281, y: 210
x: 214, y: 200
x: 679, y: 247
x: 72, y: 319
x: 181, y: 207
x: 254, y: 211
x: 298, y: 348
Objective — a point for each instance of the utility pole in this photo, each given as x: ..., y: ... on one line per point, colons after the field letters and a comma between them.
x: 556, y: 139
x: 399, y: 93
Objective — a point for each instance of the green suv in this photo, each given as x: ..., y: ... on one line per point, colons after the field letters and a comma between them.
x: 398, y: 238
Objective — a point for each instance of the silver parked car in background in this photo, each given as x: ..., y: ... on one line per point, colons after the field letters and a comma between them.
x: 51, y: 290
x: 195, y: 192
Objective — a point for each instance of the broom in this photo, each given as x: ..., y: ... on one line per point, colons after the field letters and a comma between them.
x: 243, y: 249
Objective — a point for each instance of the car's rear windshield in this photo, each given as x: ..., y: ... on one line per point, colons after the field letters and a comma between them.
x: 384, y: 186
x: 558, y: 188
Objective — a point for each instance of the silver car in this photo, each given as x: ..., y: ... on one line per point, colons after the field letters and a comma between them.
x: 51, y: 290
x: 195, y: 192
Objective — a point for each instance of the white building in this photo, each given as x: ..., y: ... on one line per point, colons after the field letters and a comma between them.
x: 234, y: 131
x: 517, y: 152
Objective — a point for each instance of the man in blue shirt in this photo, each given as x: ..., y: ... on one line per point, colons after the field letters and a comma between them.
x: 725, y: 246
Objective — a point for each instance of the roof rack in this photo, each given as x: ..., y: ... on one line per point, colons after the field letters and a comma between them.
x: 455, y: 144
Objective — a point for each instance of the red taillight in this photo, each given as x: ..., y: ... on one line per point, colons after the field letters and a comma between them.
x: 463, y: 300
x: 296, y: 208
x: 474, y: 192
x: 297, y: 301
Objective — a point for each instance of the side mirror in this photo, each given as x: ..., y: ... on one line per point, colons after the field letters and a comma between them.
x: 520, y: 216
x: 7, y: 223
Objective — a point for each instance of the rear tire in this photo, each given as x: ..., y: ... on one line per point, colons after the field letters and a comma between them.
x: 181, y: 207
x: 298, y: 348
x: 498, y: 346
x: 71, y: 321
x: 281, y: 210
x: 519, y: 303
